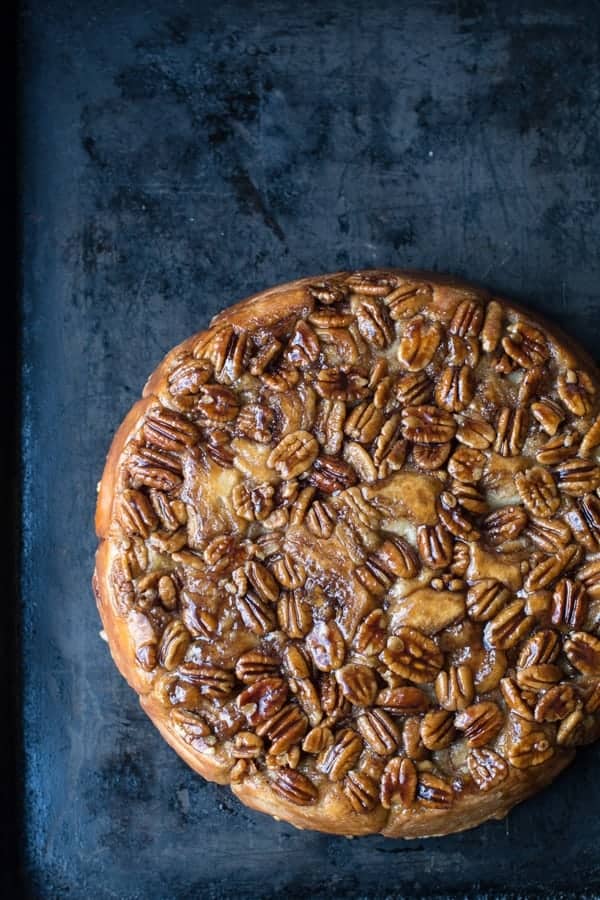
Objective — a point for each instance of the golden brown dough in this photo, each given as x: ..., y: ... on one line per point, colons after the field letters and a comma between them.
x: 350, y: 552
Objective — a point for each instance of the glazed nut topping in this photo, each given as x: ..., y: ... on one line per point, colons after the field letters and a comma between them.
x: 355, y: 547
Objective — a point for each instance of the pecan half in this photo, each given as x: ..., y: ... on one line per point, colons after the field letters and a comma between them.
x: 454, y: 519
x: 189, y: 724
x: 155, y: 469
x: 538, y: 677
x: 559, y: 448
x: 326, y: 646
x: 317, y: 739
x: 591, y: 438
x: 256, y: 614
x: 437, y: 729
x: 532, y: 749
x: 412, y: 744
x: 585, y: 522
x: 294, y: 454
x: 571, y: 730
x: 470, y: 498
x: 538, y: 492
x: 297, y: 661
x: 341, y: 756
x: 589, y: 691
x: 583, y: 651
x: 294, y: 614
x: 308, y: 698
x: 320, y: 520
x: 284, y: 729
x: 460, y: 559
x: 371, y: 634
x: 218, y: 403
x: 548, y: 414
x: 454, y: 388
x: 334, y: 704
x: 256, y: 422
x: 404, y: 700
x: 293, y: 786
x: 398, y: 783
x: 530, y: 384
x: 431, y: 456
x: 226, y: 349
x: 330, y: 474
x: 526, y: 345
x: 262, y: 581
x: 253, y: 504
x: 303, y: 346
x: 577, y: 477
x: 373, y: 322
x: 411, y: 655
x: 520, y: 702
x: 361, y: 790
x: 419, y: 341
x: 549, y: 535
x: 174, y: 643
x: 407, y: 300
x: 488, y: 769
x: 358, y: 684
x: 435, y: 545
x: 289, y: 572
x: 370, y: 283
x: 466, y: 464
x: 256, y: 664
x: 549, y: 569
x: 505, y: 524
x: 247, y: 745
x: 556, y: 703
x: 364, y: 423
x: 414, y: 389
x: 508, y: 626
x: 542, y: 647
x: 473, y: 431
x: 467, y: 319
x: 262, y: 699
x: 511, y: 431
x: 171, y: 511
x: 427, y: 425
x: 167, y: 592
x: 328, y: 291
x: 212, y: 681
x: 379, y: 731
x: 395, y: 558
x: 433, y: 792
x: 185, y: 382
x: 168, y: 430
x: 329, y: 425
x: 134, y: 513
x: 569, y: 604
x: 389, y: 450
x: 589, y: 575
x: 486, y: 598
x: 576, y: 390
x: 480, y: 723
x: 454, y: 689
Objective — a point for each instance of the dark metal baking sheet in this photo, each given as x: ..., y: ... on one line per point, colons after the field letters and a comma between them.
x: 177, y: 156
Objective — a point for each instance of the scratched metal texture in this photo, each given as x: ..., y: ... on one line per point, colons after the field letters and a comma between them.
x: 178, y: 156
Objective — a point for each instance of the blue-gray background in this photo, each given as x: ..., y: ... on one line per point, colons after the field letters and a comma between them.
x: 177, y: 156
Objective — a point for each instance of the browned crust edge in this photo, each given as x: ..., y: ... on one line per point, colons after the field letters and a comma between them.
x: 334, y: 815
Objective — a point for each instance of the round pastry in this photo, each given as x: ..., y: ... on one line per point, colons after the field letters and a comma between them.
x: 350, y: 552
